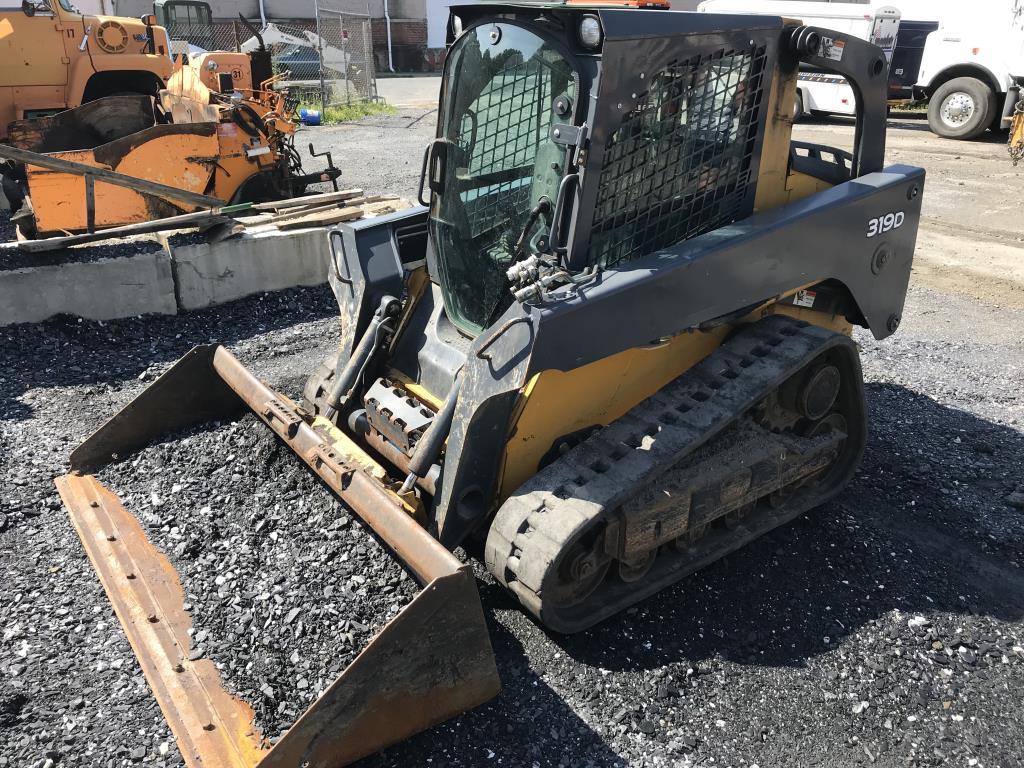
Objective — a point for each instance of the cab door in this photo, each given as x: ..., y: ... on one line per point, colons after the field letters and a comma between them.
x: 32, y: 48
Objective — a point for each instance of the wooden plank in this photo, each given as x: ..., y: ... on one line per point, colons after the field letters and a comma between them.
x: 297, y: 212
x: 386, y: 206
x: 322, y: 219
x: 108, y: 176
x: 184, y: 221
x: 274, y: 218
x: 330, y: 206
x: 326, y: 197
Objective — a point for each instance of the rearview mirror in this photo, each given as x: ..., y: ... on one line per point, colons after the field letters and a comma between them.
x: 30, y: 8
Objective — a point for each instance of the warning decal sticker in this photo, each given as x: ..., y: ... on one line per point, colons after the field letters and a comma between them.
x: 832, y: 49
x: 804, y: 299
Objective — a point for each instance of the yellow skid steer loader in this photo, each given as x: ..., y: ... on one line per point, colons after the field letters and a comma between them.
x: 613, y: 345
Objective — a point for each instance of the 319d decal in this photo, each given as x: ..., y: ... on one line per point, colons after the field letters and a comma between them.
x: 884, y: 223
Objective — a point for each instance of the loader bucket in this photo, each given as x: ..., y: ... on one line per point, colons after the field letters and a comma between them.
x: 430, y: 662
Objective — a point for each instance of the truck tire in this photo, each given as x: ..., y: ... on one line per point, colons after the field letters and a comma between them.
x: 961, y: 108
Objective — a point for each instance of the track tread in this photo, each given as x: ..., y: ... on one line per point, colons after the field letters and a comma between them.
x: 686, y: 414
x: 318, y: 385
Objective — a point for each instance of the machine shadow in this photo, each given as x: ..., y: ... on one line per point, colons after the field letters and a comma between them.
x: 528, y: 723
x: 66, y: 351
x: 901, y: 537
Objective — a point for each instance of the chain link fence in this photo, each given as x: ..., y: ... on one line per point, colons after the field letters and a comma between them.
x: 327, y: 60
x: 347, y: 58
x: 218, y: 36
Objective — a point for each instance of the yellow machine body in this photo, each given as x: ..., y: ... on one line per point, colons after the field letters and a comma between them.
x: 556, y: 403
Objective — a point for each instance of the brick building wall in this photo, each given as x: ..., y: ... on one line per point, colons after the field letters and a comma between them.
x: 408, y: 45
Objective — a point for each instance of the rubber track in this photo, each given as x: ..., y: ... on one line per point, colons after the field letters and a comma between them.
x: 318, y: 385
x: 562, y: 501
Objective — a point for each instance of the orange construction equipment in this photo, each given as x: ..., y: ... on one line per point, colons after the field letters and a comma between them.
x: 211, y: 133
x: 53, y: 57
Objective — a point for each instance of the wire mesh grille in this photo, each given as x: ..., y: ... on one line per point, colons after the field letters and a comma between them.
x: 679, y: 165
x: 512, y: 116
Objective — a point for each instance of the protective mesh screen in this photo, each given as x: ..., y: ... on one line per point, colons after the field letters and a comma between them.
x: 679, y: 165
x: 512, y: 116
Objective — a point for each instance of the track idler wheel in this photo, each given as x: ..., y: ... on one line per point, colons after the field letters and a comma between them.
x: 819, y: 393
x: 834, y: 422
x: 630, y: 572
x: 581, y: 571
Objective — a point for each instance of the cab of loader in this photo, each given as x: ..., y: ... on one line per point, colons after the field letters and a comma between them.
x: 53, y: 57
x: 591, y: 136
x: 190, y: 20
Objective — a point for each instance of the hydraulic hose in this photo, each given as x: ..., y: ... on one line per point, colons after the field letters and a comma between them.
x: 429, y: 447
x: 360, y: 358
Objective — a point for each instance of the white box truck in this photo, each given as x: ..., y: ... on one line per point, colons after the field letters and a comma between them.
x: 822, y: 92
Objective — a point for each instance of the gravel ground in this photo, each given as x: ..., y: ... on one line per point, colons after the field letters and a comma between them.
x: 285, y: 588
x: 8, y: 231
x: 884, y: 628
x: 381, y: 154
x: 70, y: 688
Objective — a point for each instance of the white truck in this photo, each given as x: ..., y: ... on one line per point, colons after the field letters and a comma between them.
x: 972, y: 69
x: 822, y: 92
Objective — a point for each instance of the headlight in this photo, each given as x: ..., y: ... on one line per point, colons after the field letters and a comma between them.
x: 211, y: 65
x: 590, y: 32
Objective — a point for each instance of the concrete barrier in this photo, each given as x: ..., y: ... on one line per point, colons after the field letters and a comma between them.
x: 98, y: 290
x: 182, y: 277
x: 208, y: 274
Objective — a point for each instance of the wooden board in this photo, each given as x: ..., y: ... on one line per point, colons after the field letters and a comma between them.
x: 322, y: 219
x: 326, y: 197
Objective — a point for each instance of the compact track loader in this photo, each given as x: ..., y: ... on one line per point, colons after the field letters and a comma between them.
x: 218, y: 134
x: 611, y: 347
